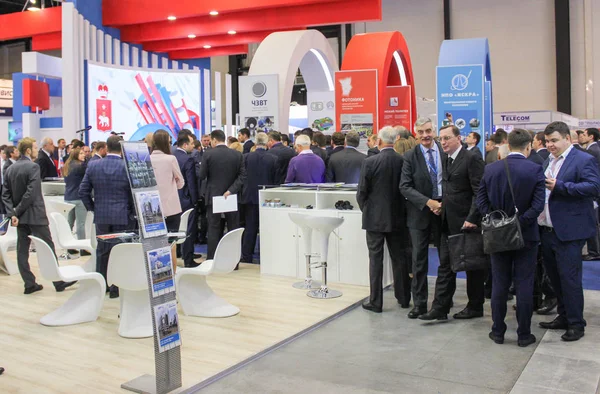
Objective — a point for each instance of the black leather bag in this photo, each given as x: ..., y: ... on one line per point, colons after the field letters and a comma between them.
x: 466, y: 251
x: 502, y: 233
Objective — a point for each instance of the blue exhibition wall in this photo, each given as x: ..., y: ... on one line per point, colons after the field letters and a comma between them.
x: 464, y: 87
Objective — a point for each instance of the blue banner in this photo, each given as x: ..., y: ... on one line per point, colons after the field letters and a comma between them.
x: 460, y: 98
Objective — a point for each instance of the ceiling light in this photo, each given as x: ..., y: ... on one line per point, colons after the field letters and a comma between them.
x: 231, y: 32
x: 32, y: 1
x: 172, y: 18
x: 207, y: 47
x: 213, y: 13
x: 191, y: 36
x: 33, y: 9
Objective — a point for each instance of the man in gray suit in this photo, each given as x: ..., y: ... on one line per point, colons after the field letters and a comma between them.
x: 22, y: 197
x: 345, y: 165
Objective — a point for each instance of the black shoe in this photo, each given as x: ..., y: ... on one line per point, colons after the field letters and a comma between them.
x: 84, y: 253
x: 33, y: 289
x: 370, y: 307
x: 72, y: 251
x: 527, y: 341
x: 434, y: 314
x: 547, y: 306
x: 197, y: 255
x: 60, y: 287
x: 192, y: 265
x: 573, y: 334
x: 404, y: 305
x: 590, y: 257
x: 237, y: 267
x: 1, y: 370
x: 416, y: 312
x: 114, y: 292
x: 468, y: 314
x: 497, y: 338
x: 557, y: 324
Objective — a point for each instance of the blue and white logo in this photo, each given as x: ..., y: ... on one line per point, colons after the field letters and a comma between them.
x: 460, y: 81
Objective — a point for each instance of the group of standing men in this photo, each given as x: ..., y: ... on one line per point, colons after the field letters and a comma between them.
x: 441, y: 188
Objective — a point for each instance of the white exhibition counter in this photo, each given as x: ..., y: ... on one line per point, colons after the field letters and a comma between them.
x: 281, y: 246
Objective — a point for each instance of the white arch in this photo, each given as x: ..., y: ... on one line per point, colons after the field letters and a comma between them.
x: 283, y: 53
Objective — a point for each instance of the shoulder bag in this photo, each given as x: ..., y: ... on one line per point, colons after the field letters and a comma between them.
x: 466, y: 251
x: 502, y: 233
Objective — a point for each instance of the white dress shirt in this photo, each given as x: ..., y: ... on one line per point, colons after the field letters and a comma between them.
x: 552, y: 172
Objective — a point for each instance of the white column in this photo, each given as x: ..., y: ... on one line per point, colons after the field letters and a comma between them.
x: 155, y: 64
x: 175, y: 65
x: 100, y: 43
x: 186, y: 66
x: 108, y: 49
x: 87, y: 42
x: 116, y: 52
x: 207, y: 98
x: 218, y: 101
x: 135, y: 57
x: 126, y: 57
x: 80, y: 48
x: 69, y: 81
x: 144, y: 59
x: 165, y: 63
x: 93, y: 43
x: 228, y: 108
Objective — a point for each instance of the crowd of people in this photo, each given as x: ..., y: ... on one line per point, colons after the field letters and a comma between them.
x: 413, y: 188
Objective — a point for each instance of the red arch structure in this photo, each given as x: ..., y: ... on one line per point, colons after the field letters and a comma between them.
x: 376, y: 51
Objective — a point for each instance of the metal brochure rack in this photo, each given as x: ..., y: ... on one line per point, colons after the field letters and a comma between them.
x: 153, y: 236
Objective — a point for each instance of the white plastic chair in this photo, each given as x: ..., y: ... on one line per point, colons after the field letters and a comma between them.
x: 65, y: 238
x: 89, y: 225
x: 7, y: 241
x: 85, y: 304
x: 59, y: 207
x: 90, y: 264
x: 195, y: 295
x: 126, y: 269
x: 183, y: 225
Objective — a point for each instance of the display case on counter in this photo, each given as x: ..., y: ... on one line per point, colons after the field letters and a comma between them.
x: 281, y: 247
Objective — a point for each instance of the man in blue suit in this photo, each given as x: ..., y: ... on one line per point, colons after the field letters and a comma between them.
x: 112, y: 203
x: 572, y: 183
x: 188, y: 194
x: 527, y: 180
x: 261, y: 169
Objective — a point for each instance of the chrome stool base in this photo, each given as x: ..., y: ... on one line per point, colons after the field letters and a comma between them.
x: 307, y: 284
x: 324, y: 293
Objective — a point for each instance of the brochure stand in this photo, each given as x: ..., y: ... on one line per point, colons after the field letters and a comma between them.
x: 159, y: 272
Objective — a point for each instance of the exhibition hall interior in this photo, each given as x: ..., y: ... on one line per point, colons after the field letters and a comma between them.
x: 295, y: 196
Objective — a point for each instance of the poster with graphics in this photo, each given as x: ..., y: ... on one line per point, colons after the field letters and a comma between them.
x: 356, y: 102
x: 321, y: 111
x: 259, y: 102
x: 397, y: 107
x: 138, y: 101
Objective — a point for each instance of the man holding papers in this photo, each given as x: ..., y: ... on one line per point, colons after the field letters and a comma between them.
x: 223, y: 169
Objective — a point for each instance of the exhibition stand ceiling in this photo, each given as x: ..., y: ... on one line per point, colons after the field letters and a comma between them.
x: 189, y: 29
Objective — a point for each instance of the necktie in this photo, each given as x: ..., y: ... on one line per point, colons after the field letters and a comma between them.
x: 433, y: 173
x: 450, y: 161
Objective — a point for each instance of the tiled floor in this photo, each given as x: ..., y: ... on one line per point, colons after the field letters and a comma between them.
x: 362, y: 352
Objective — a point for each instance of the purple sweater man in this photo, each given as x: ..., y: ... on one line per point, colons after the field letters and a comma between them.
x: 306, y: 167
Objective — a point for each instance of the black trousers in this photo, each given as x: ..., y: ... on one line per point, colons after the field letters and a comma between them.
x: 593, y: 244
x: 420, y: 258
x: 445, y: 285
x: 564, y: 267
x: 542, y: 288
x: 396, y: 244
x: 201, y: 221
x: 518, y: 267
x: 23, y: 244
x: 215, y: 228
x: 104, y: 247
x: 251, y: 219
x: 187, y: 248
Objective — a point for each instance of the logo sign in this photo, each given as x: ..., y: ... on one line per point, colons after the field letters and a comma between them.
x: 460, y: 81
x: 397, y: 107
x: 356, y: 102
x: 259, y: 98
x: 346, y: 85
x: 259, y: 89
x: 104, y: 115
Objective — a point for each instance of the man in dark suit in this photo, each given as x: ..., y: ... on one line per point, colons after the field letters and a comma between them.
x: 345, y: 165
x: 337, y: 142
x: 491, y: 151
x: 383, y: 213
x: 244, y: 138
x: 99, y: 151
x: 421, y: 184
x: 372, y: 144
x: 590, y: 139
x: 283, y: 154
x: 472, y: 142
x: 188, y: 195
x: 223, y: 169
x: 539, y: 145
x: 572, y: 184
x: 12, y: 155
x: 44, y: 160
x: 460, y: 182
x: 527, y: 180
x: 261, y: 169
x: 22, y: 197
x: 112, y: 203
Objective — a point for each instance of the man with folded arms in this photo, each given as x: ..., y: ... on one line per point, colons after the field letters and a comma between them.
x: 527, y: 180
x: 572, y: 184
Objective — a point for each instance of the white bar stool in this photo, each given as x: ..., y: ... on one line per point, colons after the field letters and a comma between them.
x: 308, y: 283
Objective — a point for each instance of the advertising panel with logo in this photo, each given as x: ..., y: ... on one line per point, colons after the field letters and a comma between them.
x: 397, y: 109
x: 138, y: 101
x: 321, y: 111
x: 356, y: 103
x: 460, y: 98
x: 259, y: 103
x: 6, y: 97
